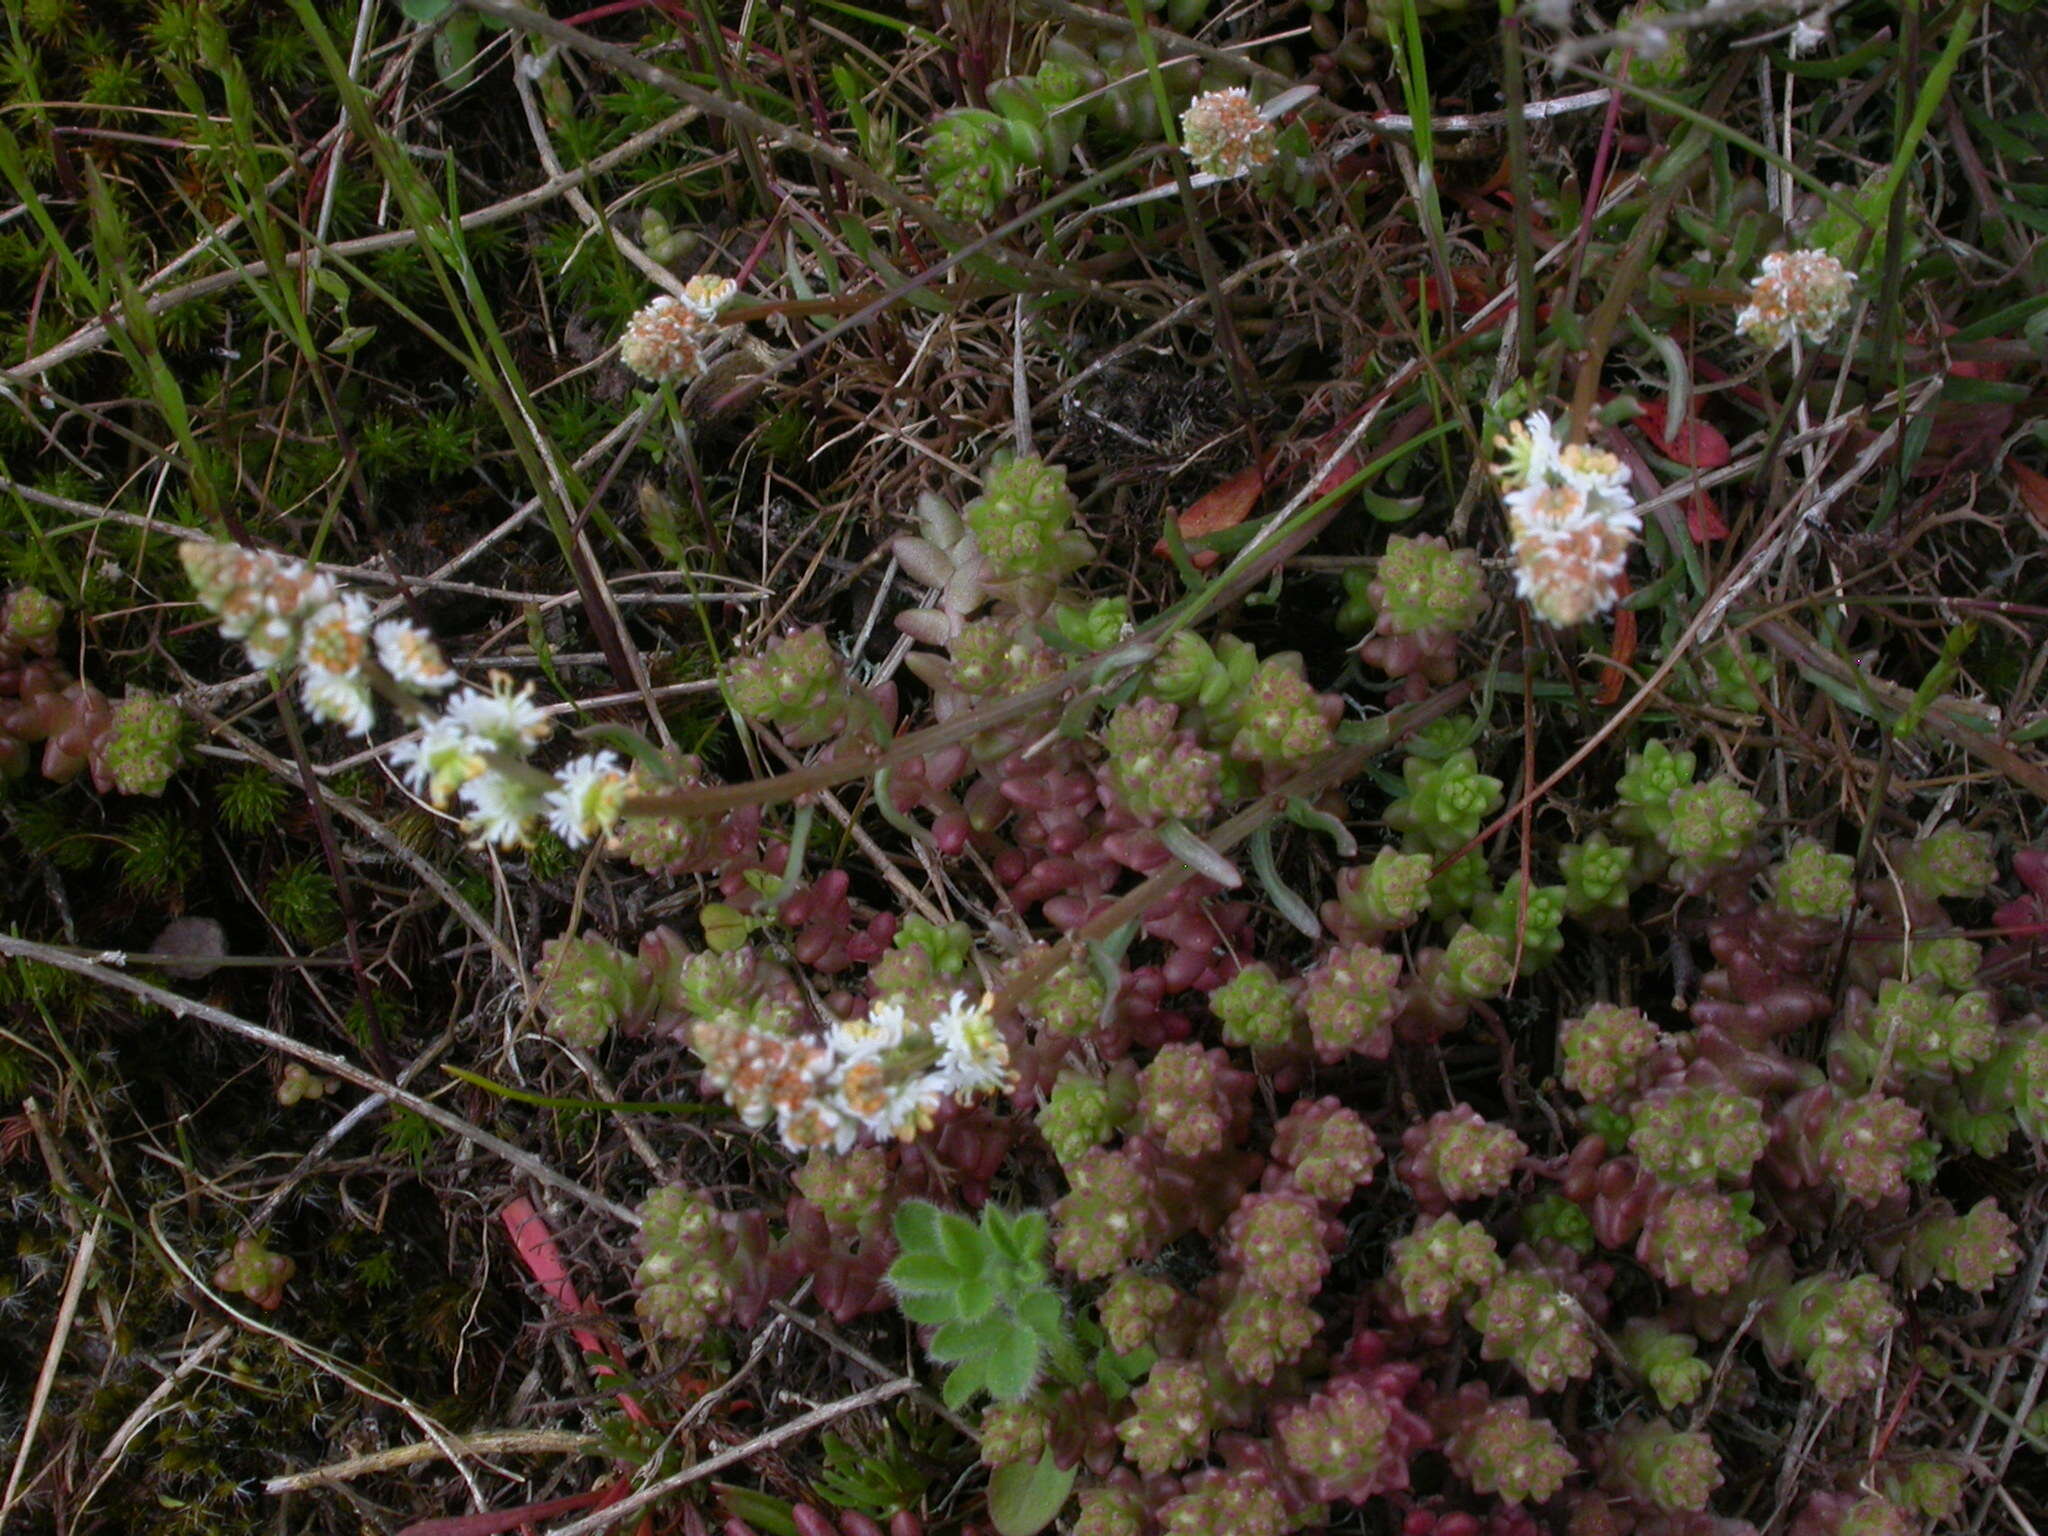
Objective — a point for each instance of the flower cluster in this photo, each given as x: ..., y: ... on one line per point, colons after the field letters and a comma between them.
x: 1225, y: 135
x: 1572, y: 520
x: 885, y: 1074
x: 1802, y: 293
x: 288, y: 615
x: 669, y: 340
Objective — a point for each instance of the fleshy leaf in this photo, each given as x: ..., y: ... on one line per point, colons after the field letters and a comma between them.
x: 1025, y: 1497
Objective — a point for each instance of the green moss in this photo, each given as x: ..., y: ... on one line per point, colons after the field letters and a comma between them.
x: 52, y: 21
x: 447, y: 441
x: 191, y: 325
x: 115, y: 80
x: 158, y: 853
x: 281, y: 53
x: 573, y: 421
x: 173, y: 32
x: 302, y: 900
x: 250, y: 802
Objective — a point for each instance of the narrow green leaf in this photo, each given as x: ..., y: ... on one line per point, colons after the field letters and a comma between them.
x: 760, y: 1510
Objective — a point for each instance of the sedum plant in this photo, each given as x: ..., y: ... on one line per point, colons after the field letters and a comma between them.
x: 1304, y: 1249
x: 129, y: 748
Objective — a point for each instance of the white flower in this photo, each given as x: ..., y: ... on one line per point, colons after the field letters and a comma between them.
x: 1806, y: 292
x: 1570, y: 550
x: 441, y: 761
x: 1572, y: 518
x: 502, y: 809
x: 704, y: 295
x: 505, y: 719
x: 817, y: 1125
x: 1595, y: 472
x: 335, y: 639
x: 1529, y: 452
x: 977, y: 1059
x: 1808, y: 33
x: 1224, y: 134
x: 342, y: 699
x: 911, y: 1108
x: 859, y: 1040
x: 270, y: 640
x: 587, y: 798
x: 664, y: 343
x: 409, y: 654
x: 292, y: 589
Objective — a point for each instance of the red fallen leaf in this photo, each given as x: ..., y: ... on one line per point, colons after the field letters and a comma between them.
x: 1703, y: 518
x: 1612, y: 677
x: 2033, y: 488
x: 1224, y: 507
x: 1696, y: 444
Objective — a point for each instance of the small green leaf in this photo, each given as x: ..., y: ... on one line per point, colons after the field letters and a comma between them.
x: 1042, y: 1313
x: 760, y: 1510
x: 972, y: 1299
x: 962, y: 1242
x: 958, y: 1340
x: 930, y: 1310
x: 425, y: 12
x: 962, y: 1382
x: 1025, y: 1497
x: 1030, y: 1232
x: 917, y: 1226
x: 1116, y: 1374
x: 333, y: 284
x: 923, y: 1274
x: 455, y: 49
x: 1012, y: 1368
